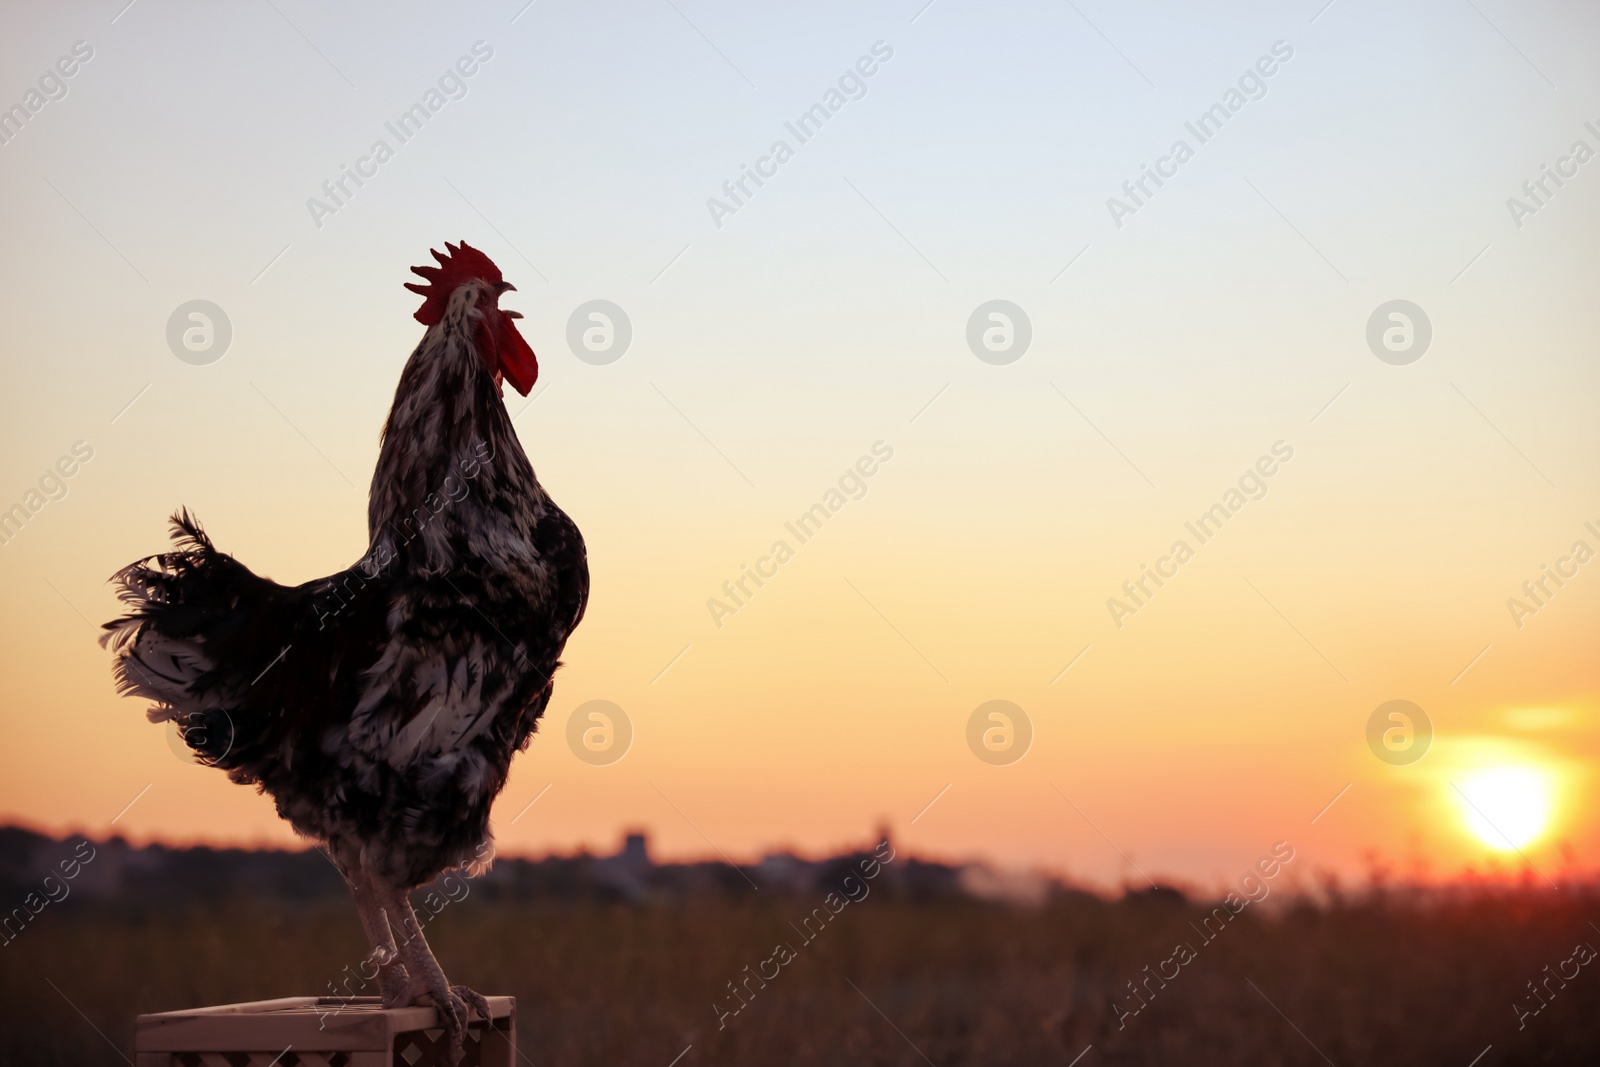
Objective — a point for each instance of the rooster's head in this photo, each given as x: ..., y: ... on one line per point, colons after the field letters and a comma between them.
x: 496, y: 337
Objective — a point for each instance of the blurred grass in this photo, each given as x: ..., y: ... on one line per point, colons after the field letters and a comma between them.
x: 1376, y: 981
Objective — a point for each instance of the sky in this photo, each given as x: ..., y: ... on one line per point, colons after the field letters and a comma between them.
x: 1348, y: 316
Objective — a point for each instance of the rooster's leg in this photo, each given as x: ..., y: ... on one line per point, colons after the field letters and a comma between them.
x: 427, y: 981
x: 392, y: 976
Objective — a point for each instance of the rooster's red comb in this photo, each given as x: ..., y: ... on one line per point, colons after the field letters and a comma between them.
x: 463, y: 263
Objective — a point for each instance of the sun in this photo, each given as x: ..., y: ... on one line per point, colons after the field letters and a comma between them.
x: 1507, y: 808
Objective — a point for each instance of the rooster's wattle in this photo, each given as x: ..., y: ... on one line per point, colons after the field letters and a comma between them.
x: 380, y: 707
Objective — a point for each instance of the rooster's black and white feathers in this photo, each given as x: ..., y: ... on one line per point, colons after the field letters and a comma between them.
x: 380, y: 707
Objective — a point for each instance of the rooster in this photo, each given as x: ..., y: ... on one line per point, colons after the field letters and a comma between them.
x: 380, y: 707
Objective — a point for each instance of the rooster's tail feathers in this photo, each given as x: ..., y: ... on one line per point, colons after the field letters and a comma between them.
x: 173, y: 600
x: 188, y: 534
x: 147, y: 584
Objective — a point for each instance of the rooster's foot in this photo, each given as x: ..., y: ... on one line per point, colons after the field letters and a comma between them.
x: 454, y: 1004
x: 395, y: 986
x: 473, y: 999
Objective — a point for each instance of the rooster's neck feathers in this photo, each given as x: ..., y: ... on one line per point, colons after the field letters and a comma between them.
x: 450, y: 465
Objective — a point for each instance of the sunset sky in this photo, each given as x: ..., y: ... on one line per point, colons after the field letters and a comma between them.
x: 1176, y: 341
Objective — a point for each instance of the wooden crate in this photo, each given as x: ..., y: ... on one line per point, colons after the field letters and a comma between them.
x: 320, y: 1032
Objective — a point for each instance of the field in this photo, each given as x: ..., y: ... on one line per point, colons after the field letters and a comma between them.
x: 891, y: 980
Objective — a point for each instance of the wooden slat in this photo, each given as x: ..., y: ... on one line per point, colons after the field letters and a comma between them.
x: 252, y: 1006
x: 311, y: 1024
